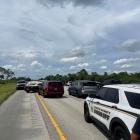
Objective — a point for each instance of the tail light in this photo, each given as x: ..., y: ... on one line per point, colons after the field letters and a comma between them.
x: 46, y: 88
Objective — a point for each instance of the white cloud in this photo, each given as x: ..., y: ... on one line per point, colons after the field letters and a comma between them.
x: 8, y: 66
x: 83, y: 65
x: 126, y: 66
x: 69, y: 60
x: 36, y: 65
x: 103, y: 67
x: 125, y: 60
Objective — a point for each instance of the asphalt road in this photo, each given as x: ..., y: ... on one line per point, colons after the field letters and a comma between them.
x: 22, y: 117
x: 68, y: 113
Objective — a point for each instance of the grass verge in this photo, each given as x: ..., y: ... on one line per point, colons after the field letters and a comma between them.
x: 6, y: 90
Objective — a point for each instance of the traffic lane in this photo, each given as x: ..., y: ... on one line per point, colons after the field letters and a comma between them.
x: 20, y: 118
x: 68, y: 113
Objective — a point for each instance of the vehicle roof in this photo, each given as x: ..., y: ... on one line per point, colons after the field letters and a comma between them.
x: 53, y: 81
x: 21, y: 81
x: 126, y: 87
x: 86, y: 81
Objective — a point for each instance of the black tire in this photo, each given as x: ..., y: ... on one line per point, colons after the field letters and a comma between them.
x: 86, y: 114
x: 27, y: 91
x: 60, y: 96
x: 45, y: 95
x: 120, y: 134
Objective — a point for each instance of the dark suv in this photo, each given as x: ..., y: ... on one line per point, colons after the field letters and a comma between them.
x: 83, y: 88
x: 21, y: 84
x: 52, y: 88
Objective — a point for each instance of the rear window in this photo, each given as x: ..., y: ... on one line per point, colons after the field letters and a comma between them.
x: 21, y: 82
x: 55, y: 84
x: 90, y: 84
x: 133, y: 99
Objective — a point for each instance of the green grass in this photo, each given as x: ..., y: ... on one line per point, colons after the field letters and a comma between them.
x: 6, y: 90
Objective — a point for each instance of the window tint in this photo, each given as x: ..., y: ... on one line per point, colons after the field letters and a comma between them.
x: 101, y: 93
x: 90, y: 84
x: 55, y: 84
x: 133, y: 99
x: 21, y: 82
x: 112, y: 95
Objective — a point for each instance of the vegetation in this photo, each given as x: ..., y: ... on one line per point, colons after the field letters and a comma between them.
x: 6, y: 90
x: 84, y: 75
x: 6, y: 73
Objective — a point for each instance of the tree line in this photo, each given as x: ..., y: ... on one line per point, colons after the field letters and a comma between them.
x: 94, y: 76
x: 125, y: 77
x: 6, y: 73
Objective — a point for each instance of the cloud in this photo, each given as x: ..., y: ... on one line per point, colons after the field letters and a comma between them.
x: 66, y: 34
x: 126, y: 66
x: 36, y: 65
x: 8, y: 66
x: 102, y: 61
x: 69, y: 60
x: 103, y: 67
x: 124, y: 61
x: 131, y: 45
x: 79, y: 66
x: 74, y: 2
x: 83, y: 65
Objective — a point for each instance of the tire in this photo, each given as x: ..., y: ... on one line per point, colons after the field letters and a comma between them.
x: 87, y: 114
x: 60, y: 96
x: 120, y: 134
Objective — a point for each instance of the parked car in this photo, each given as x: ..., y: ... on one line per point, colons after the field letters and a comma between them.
x: 116, y: 108
x: 83, y: 87
x: 32, y: 86
x: 52, y: 88
x: 20, y: 85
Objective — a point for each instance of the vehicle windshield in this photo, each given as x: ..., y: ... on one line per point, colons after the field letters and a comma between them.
x: 20, y: 82
x: 55, y: 84
x: 89, y: 84
x: 133, y: 99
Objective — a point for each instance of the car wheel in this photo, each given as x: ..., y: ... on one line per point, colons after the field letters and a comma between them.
x: 87, y: 114
x: 120, y: 134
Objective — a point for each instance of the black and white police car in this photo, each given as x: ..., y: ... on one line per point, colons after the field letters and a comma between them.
x: 116, y: 107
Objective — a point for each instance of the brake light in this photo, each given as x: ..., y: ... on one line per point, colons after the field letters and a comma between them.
x: 46, y: 88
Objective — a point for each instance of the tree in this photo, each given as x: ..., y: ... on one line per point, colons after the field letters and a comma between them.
x: 1, y: 76
x: 9, y: 74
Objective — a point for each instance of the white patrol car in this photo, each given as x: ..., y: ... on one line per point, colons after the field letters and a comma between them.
x: 116, y: 107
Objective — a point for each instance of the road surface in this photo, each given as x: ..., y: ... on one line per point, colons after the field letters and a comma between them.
x: 22, y: 117
x: 68, y: 113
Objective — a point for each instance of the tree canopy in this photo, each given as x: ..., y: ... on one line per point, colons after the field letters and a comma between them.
x: 84, y: 75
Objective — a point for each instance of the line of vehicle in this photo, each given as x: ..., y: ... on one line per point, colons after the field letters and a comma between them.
x: 54, y: 123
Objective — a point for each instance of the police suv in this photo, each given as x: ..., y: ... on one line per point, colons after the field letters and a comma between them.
x: 116, y: 107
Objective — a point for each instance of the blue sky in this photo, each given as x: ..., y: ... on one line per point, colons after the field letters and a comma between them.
x: 42, y: 37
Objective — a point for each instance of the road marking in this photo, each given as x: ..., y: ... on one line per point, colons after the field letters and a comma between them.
x: 54, y: 123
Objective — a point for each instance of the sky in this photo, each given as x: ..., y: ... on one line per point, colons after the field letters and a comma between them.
x: 43, y: 37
